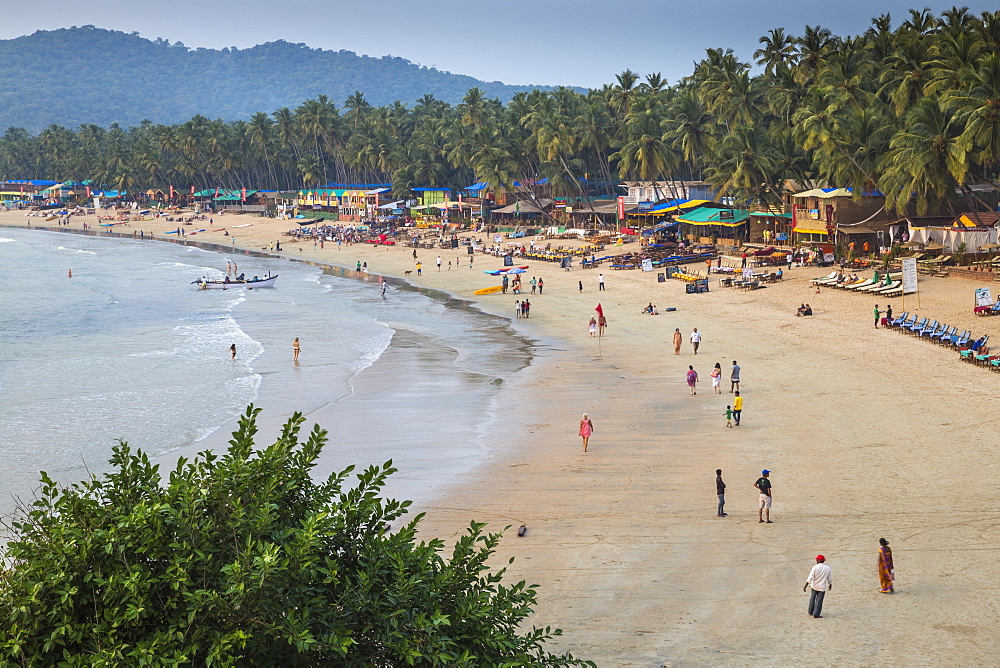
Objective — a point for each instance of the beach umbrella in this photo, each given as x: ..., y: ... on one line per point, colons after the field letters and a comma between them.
x: 912, y: 244
x: 989, y: 247
x: 933, y: 246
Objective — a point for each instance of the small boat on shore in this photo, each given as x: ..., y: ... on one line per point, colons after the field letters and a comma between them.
x: 267, y: 282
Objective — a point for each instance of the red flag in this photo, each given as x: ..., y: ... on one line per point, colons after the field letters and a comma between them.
x: 243, y: 194
x: 216, y: 193
x: 192, y: 190
x: 88, y: 192
x: 171, y: 192
x: 600, y: 311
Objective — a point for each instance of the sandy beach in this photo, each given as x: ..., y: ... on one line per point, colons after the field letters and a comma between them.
x: 869, y: 434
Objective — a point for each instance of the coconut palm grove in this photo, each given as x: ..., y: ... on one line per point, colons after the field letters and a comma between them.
x: 910, y: 108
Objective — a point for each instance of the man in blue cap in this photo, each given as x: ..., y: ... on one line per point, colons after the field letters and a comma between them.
x: 764, y: 485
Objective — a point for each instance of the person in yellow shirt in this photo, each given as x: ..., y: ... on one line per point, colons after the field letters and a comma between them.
x: 737, y: 408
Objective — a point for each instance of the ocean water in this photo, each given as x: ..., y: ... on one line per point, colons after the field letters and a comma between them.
x: 128, y: 349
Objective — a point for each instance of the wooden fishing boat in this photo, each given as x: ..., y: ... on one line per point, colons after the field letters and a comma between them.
x: 266, y: 282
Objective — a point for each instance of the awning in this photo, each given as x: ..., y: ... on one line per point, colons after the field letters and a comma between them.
x: 377, y: 191
x: 807, y: 230
x: 846, y: 229
x: 392, y: 205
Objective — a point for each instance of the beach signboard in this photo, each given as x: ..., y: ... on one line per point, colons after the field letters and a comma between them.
x: 647, y: 264
x: 984, y: 297
x: 909, y: 274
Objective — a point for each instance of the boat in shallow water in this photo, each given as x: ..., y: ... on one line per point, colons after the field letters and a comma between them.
x: 267, y: 282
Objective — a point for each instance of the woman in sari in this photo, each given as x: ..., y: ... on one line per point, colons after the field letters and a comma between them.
x: 886, y: 572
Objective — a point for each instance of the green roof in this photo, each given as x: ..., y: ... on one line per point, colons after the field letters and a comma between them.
x: 705, y: 215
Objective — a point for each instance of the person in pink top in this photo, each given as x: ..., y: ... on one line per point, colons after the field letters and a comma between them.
x: 692, y: 379
x: 586, y: 429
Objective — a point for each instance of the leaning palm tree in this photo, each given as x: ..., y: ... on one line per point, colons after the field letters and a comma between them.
x: 927, y: 159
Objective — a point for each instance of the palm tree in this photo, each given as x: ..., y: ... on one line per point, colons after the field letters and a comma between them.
x: 778, y: 51
x: 927, y: 159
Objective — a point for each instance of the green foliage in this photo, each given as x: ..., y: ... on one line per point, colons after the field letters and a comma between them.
x: 244, y: 559
x: 91, y: 75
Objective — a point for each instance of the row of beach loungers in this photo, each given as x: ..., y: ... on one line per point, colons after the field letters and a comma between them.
x: 975, y: 352
x: 886, y: 285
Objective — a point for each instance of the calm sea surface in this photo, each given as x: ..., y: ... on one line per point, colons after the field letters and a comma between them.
x: 129, y: 349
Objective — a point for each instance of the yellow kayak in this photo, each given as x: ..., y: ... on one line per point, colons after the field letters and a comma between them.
x: 489, y: 291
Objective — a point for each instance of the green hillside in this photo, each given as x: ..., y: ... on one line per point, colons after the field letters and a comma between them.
x: 90, y: 75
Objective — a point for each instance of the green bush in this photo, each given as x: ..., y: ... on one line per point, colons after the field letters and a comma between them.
x: 244, y: 559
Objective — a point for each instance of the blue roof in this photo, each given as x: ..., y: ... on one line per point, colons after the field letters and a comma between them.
x: 669, y: 203
x: 356, y: 186
x: 870, y: 193
x: 477, y: 186
x: 32, y: 182
x: 420, y: 190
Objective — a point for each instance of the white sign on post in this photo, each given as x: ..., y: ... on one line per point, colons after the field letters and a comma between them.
x: 647, y: 265
x: 983, y: 297
x: 909, y: 274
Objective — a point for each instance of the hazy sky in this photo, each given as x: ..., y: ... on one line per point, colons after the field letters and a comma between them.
x: 572, y: 42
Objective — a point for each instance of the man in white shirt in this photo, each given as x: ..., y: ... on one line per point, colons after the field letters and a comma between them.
x: 695, y: 340
x: 600, y: 282
x: 821, y: 581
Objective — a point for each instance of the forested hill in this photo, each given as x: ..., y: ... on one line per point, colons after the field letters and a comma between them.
x: 90, y: 75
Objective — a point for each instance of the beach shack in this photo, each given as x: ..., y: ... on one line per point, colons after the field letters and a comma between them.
x: 723, y: 226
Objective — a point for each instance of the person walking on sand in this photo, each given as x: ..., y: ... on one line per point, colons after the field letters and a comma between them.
x: 600, y: 282
x: 734, y: 378
x: 720, y: 489
x: 439, y: 263
x: 716, y: 378
x: 541, y: 285
x: 586, y: 429
x: 232, y: 351
x: 296, y: 348
x: 581, y: 286
x: 821, y: 580
x: 737, y: 408
x: 729, y: 416
x: 534, y: 284
x: 420, y: 267
x: 695, y: 340
x: 763, y: 485
x: 592, y: 326
x: 678, y: 340
x: 692, y: 379
x: 517, y: 308
x: 602, y: 324
x: 886, y: 571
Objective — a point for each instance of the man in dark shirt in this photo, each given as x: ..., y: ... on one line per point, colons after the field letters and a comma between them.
x: 764, y: 485
x: 720, y: 488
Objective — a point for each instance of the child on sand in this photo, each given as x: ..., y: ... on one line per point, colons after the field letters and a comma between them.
x: 729, y: 416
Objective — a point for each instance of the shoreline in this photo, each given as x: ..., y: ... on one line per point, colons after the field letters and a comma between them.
x: 859, y: 426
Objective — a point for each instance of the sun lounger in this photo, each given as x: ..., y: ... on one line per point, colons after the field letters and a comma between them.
x: 945, y: 336
x: 931, y: 333
x: 917, y: 326
x: 926, y: 329
x: 963, y: 340
x: 896, y: 322
x: 898, y: 292
x: 832, y: 276
x: 895, y: 285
